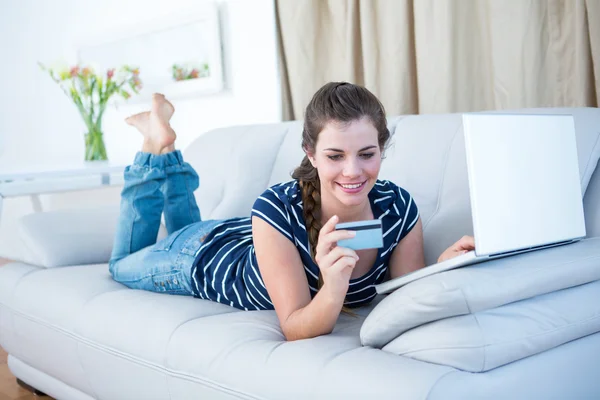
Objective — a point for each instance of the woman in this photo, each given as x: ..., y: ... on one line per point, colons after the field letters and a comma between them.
x: 284, y: 256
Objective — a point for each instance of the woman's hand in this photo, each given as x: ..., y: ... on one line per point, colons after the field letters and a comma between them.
x: 336, y: 263
x: 464, y: 245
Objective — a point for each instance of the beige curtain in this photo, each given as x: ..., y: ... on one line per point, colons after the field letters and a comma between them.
x: 436, y: 56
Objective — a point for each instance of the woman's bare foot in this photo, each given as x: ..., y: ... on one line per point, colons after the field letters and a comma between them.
x: 159, y: 137
x: 168, y: 149
x: 140, y: 121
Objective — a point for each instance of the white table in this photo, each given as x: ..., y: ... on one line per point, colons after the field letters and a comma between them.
x: 33, y: 180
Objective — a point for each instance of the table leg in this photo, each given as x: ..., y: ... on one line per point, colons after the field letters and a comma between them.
x: 37, y: 204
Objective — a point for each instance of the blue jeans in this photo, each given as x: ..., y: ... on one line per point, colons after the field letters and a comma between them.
x: 153, y: 184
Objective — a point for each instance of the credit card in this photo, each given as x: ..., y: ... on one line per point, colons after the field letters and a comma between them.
x: 369, y: 234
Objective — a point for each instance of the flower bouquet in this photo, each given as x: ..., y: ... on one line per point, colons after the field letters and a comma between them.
x: 186, y: 72
x: 90, y: 92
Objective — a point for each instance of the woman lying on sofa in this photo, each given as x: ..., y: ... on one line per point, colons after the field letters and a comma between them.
x: 285, y: 255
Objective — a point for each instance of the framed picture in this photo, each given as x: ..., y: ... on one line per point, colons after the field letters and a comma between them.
x: 179, y: 54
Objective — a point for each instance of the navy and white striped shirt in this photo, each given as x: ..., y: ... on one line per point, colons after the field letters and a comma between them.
x: 226, y: 269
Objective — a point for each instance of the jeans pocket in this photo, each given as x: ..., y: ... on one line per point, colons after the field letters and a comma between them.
x: 192, y: 244
x: 166, y: 243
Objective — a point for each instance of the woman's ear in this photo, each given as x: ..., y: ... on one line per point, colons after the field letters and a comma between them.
x: 311, y: 157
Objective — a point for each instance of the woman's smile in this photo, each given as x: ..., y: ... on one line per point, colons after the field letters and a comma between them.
x: 352, y: 188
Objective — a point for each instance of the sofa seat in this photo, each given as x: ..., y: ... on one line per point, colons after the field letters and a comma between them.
x: 103, y: 340
x: 89, y: 330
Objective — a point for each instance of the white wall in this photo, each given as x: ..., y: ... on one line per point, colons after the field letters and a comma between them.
x: 39, y: 124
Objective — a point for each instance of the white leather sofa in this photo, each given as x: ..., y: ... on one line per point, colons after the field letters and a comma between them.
x: 525, y: 328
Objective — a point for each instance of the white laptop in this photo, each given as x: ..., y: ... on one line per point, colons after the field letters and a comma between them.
x: 524, y: 186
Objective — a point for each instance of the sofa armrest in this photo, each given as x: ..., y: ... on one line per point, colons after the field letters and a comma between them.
x: 70, y: 237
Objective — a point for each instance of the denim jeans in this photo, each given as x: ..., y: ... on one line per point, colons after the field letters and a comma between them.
x: 153, y: 184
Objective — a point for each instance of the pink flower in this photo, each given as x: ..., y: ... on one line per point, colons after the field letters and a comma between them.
x: 110, y: 73
x: 137, y: 82
x: 194, y: 73
x: 74, y: 71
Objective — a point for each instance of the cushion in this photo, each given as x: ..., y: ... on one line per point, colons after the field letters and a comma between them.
x: 488, y: 339
x: 232, y: 178
x: 481, y: 287
x: 71, y: 237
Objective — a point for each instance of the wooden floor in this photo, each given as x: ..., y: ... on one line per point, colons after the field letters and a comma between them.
x: 9, y: 390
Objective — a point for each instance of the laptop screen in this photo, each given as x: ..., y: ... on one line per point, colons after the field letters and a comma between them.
x: 524, y: 180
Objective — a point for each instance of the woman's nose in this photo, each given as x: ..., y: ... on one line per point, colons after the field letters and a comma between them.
x: 352, y: 168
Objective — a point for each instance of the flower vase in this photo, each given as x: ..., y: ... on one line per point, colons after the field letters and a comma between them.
x: 94, y: 146
x: 91, y: 92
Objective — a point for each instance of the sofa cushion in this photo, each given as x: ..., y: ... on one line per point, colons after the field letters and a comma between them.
x: 289, y: 155
x: 236, y: 168
x: 481, y: 287
x: 71, y: 237
x: 488, y: 339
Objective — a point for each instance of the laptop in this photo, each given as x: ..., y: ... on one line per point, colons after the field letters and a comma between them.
x: 524, y: 187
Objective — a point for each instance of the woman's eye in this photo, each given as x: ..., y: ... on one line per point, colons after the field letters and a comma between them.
x: 337, y: 157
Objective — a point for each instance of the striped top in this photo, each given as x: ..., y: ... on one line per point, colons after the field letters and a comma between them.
x: 226, y: 269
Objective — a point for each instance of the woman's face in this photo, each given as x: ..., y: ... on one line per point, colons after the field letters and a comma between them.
x: 348, y: 159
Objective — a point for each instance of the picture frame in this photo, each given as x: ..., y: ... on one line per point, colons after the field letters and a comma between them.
x: 188, y: 38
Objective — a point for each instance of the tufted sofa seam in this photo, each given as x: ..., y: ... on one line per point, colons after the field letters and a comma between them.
x: 78, y: 354
x: 12, y: 294
x: 24, y: 242
x: 587, y: 165
x: 481, y: 331
x: 506, y: 342
x: 337, y: 355
x: 181, y: 325
x: 106, y: 349
x: 438, y: 380
x: 23, y: 276
x: 281, y: 141
x: 394, y: 124
x: 441, y: 185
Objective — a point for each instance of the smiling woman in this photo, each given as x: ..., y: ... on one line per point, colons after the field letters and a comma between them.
x: 344, y: 137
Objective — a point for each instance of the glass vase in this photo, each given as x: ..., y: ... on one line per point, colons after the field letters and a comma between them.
x: 94, y: 146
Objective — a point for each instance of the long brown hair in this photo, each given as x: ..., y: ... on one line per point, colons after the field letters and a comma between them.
x: 340, y: 102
